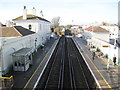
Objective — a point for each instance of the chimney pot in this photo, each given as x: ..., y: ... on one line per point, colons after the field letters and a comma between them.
x: 34, y: 11
x: 24, y: 13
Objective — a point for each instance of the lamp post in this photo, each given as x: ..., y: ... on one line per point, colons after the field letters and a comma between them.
x: 35, y: 44
x: 108, y: 64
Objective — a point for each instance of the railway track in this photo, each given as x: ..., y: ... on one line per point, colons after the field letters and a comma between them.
x: 66, y: 69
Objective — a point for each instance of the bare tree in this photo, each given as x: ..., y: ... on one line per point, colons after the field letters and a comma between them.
x: 55, y: 22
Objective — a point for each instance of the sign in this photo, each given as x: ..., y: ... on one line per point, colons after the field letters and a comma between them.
x: 106, y: 46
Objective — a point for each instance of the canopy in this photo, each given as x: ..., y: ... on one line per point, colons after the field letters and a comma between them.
x: 23, y: 52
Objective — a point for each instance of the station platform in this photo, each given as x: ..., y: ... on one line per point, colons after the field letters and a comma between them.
x: 30, y: 78
x: 104, y: 77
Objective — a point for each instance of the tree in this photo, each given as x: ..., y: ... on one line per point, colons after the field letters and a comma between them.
x: 55, y: 22
x: 68, y: 27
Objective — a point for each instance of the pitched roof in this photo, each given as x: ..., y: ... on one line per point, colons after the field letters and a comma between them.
x: 23, y: 30
x: 14, y: 31
x: 96, y: 29
x: 2, y: 25
x: 31, y: 17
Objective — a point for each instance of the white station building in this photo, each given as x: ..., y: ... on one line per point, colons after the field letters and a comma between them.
x: 104, y: 39
x: 22, y: 40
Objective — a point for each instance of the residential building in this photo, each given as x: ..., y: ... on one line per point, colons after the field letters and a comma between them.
x: 98, y: 37
x: 13, y: 39
x: 97, y: 32
x: 26, y: 34
x: 113, y: 31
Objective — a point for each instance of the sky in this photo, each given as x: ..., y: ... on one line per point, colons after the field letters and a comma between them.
x: 70, y: 11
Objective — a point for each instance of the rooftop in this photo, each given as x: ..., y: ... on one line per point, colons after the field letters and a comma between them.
x: 95, y: 29
x: 15, y: 31
x: 30, y: 17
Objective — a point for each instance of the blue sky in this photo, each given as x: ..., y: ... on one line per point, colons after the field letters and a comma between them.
x: 80, y: 11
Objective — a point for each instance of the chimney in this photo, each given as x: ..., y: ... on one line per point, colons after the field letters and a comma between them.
x: 41, y: 13
x: 24, y: 13
x: 0, y: 24
x: 34, y: 11
x: 8, y: 23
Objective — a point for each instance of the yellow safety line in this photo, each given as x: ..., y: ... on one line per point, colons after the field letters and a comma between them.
x: 6, y: 77
x: 34, y: 73
x: 99, y: 72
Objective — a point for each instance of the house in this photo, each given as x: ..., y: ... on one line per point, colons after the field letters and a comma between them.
x: 96, y: 32
x: 25, y: 35
x: 32, y: 22
x: 12, y: 40
x: 113, y: 31
x: 76, y: 30
x: 16, y: 31
x: 98, y: 37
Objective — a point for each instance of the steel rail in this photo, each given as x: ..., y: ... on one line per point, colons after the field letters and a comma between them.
x: 52, y: 68
x: 80, y: 65
x: 71, y: 67
x: 61, y: 76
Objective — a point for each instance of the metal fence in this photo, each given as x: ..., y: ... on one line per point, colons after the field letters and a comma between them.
x: 6, y: 83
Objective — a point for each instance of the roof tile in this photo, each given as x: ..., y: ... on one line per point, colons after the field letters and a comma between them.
x: 96, y: 29
x: 30, y: 17
x: 14, y: 31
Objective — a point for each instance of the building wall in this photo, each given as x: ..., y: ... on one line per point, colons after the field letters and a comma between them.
x: 110, y: 51
x: 26, y: 23
x: 0, y: 61
x: 38, y: 26
x: 87, y: 34
x: 113, y: 31
x: 42, y: 28
x: 102, y: 35
x: 9, y: 46
x: 0, y: 56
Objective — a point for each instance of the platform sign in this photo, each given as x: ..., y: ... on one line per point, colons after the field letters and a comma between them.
x: 105, y: 46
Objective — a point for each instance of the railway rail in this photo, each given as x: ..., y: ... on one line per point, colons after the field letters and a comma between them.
x: 66, y: 69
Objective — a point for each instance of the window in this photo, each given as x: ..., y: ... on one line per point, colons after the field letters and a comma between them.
x: 30, y: 27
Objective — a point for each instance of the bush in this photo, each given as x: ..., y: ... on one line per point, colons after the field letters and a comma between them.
x: 98, y: 50
x: 92, y: 46
x: 106, y: 55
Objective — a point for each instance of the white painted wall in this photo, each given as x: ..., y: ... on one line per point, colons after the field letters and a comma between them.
x: 38, y: 26
x: 26, y: 23
x: 0, y: 57
x: 111, y: 50
x: 9, y: 46
x: 102, y: 35
x: 113, y: 31
x: 87, y: 34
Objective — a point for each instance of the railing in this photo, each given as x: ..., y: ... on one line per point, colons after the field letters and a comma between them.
x: 6, y: 82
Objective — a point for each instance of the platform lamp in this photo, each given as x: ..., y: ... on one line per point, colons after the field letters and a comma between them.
x: 35, y: 44
x: 108, y: 64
